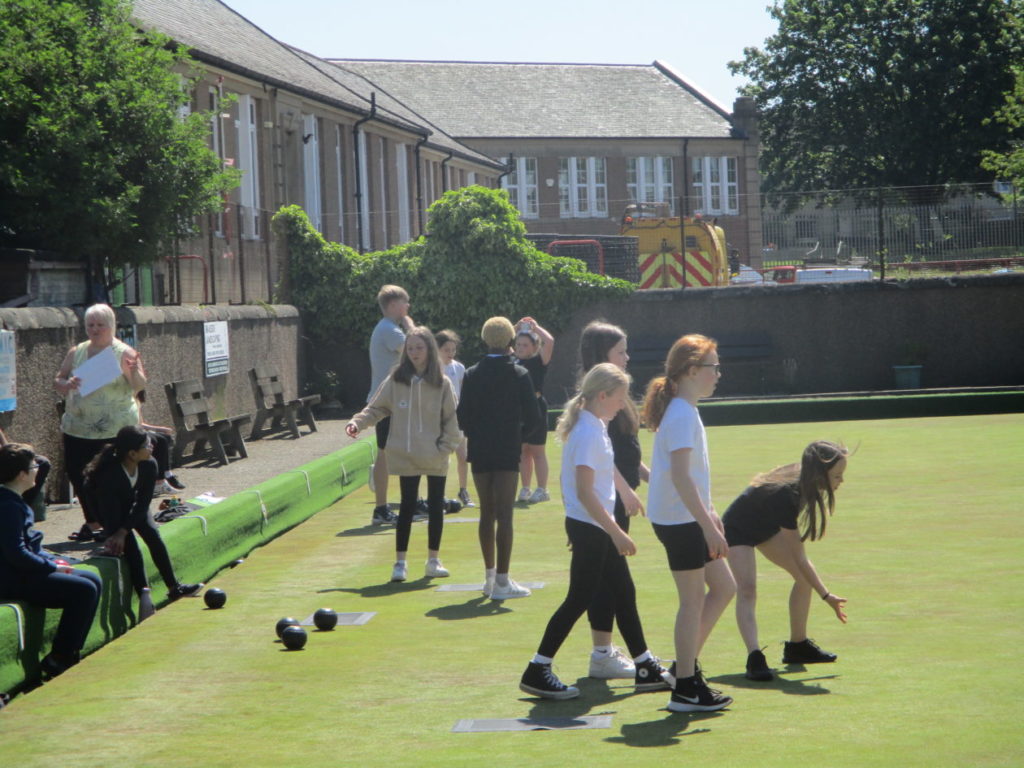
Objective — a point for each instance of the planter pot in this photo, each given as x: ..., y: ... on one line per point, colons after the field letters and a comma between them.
x: 907, y: 376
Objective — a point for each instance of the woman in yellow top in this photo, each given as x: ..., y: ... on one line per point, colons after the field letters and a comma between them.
x: 93, y: 420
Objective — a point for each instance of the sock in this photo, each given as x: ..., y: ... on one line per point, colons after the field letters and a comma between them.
x: 538, y: 659
x: 489, y: 574
x: 642, y: 657
x: 601, y: 650
x: 168, y: 473
x: 501, y: 579
x: 400, y: 561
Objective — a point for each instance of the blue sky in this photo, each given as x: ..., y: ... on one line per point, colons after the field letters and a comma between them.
x: 696, y: 39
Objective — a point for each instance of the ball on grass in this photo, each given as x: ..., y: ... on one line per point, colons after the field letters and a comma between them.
x: 287, y: 621
x: 325, y: 619
x: 215, y: 598
x: 293, y: 637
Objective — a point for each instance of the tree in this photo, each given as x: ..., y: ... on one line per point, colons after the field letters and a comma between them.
x: 1009, y: 165
x: 96, y: 158
x: 860, y: 94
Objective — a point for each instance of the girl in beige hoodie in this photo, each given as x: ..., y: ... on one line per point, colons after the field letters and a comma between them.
x: 424, y: 431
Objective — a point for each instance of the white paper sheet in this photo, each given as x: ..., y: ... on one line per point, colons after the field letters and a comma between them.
x: 98, y: 371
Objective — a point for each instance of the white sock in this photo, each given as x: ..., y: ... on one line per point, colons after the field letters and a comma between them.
x: 501, y: 579
x: 400, y: 562
x: 601, y: 650
x: 538, y: 659
x: 489, y: 574
x: 168, y: 473
x: 642, y: 657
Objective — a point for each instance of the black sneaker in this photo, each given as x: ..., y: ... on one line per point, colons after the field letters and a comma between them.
x: 805, y: 652
x: 174, y: 482
x: 383, y: 515
x: 757, y: 667
x: 539, y: 680
x: 651, y: 676
x: 693, y: 695
x: 185, y: 590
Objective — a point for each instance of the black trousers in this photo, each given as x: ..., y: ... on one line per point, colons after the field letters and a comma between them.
x: 76, y: 594
x: 78, y: 452
x: 143, y: 524
x: 410, y: 485
x: 595, y: 565
x: 161, y: 452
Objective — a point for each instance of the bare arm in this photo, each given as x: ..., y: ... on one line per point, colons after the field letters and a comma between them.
x: 64, y: 382
x: 547, y: 346
x: 790, y: 538
x: 630, y: 499
x: 585, y: 491
x: 709, y: 522
x: 131, y: 366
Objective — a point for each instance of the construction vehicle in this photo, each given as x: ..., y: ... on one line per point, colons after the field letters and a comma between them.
x: 676, y: 252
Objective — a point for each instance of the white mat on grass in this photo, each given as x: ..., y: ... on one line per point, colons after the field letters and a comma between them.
x: 533, y: 724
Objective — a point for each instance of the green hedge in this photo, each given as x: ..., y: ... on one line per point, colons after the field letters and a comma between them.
x: 200, y: 546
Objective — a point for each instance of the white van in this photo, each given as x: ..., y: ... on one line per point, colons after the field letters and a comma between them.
x: 790, y: 274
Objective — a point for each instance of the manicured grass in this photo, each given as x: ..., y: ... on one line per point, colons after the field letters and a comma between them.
x: 925, y: 544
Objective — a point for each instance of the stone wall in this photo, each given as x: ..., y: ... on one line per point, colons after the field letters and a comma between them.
x: 170, y: 341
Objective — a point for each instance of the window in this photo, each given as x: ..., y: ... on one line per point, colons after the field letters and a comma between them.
x: 582, y: 187
x: 649, y: 180
x: 402, y: 173
x: 521, y: 184
x: 311, y: 169
x: 248, y: 164
x: 339, y: 150
x: 363, y: 192
x: 217, y: 145
x: 715, y: 185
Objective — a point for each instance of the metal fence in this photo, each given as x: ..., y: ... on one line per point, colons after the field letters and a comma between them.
x: 976, y: 222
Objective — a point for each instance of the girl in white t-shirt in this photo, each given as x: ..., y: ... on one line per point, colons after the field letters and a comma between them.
x: 680, y: 509
x: 599, y: 545
x: 448, y: 342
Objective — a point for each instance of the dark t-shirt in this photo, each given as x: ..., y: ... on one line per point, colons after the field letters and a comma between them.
x: 537, y: 370
x: 627, y: 452
x: 760, y: 512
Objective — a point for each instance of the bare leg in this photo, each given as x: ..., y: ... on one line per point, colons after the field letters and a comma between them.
x: 721, y: 588
x: 526, y: 466
x: 743, y: 562
x: 690, y: 587
x: 799, y: 595
x: 540, y: 462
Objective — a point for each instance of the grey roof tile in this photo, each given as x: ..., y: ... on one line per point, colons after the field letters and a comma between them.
x: 525, y: 100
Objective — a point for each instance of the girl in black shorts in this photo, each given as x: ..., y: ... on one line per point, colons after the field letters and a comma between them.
x: 767, y: 516
x: 533, y: 348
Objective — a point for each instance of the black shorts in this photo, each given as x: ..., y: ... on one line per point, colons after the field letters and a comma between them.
x: 383, y: 430
x: 684, y: 544
x: 539, y: 436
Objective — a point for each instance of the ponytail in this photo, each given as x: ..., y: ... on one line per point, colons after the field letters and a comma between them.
x: 660, y: 392
x: 570, y: 415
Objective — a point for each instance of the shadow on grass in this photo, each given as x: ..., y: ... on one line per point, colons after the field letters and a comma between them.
x: 810, y: 686
x: 663, y: 732
x: 476, y: 608
x: 366, y: 530
x: 384, y: 590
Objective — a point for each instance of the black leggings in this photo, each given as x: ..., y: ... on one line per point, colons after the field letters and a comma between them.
x: 77, y: 594
x: 78, y: 452
x: 147, y: 529
x: 410, y: 485
x: 602, y: 610
x: 595, y: 564
x: 161, y: 452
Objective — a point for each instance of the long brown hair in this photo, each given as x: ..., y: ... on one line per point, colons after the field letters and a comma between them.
x: 405, y: 370
x: 685, y: 354
x: 596, y: 341
x: 817, y: 501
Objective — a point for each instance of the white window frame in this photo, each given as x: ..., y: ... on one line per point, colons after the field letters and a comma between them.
x: 217, y: 145
x: 311, y: 170
x: 521, y: 185
x: 583, y: 187
x: 249, y: 165
x: 339, y: 147
x: 364, y: 193
x: 649, y: 179
x: 402, y: 176
x: 382, y: 175
x: 716, y: 185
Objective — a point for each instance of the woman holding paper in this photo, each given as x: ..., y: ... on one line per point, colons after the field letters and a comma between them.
x: 98, y: 381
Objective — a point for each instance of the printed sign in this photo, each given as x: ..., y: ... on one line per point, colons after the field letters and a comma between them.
x: 8, y: 379
x: 215, y: 344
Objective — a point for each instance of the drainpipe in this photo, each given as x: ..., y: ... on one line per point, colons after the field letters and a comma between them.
x: 419, y: 181
x: 359, y: 182
x: 444, y: 176
x: 508, y: 168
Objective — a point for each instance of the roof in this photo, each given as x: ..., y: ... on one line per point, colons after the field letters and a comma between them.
x: 523, y: 100
x: 218, y: 36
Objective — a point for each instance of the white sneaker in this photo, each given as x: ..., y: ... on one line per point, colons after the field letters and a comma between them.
x: 399, y: 572
x: 163, y: 488
x: 509, y: 591
x: 435, y: 569
x: 612, y: 666
x: 488, y: 587
x: 524, y: 495
x: 539, y: 495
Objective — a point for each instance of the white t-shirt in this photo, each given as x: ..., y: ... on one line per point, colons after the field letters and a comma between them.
x: 456, y: 372
x: 588, y: 446
x: 680, y: 427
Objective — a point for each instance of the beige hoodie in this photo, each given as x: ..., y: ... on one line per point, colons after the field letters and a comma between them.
x: 424, y: 430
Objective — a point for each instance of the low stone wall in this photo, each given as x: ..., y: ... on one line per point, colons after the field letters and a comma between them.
x: 170, y: 340
x: 843, y: 337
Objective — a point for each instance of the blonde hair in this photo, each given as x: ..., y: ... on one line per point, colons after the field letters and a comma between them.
x: 686, y: 353
x: 389, y: 293
x: 497, y: 333
x: 605, y: 377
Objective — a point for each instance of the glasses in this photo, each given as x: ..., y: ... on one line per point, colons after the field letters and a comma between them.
x: 716, y: 366
x: 34, y: 465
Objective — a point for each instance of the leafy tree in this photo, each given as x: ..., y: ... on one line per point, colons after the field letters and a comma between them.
x: 861, y: 94
x: 1009, y: 165
x: 95, y: 159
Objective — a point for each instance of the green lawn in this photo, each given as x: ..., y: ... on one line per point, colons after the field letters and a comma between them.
x: 926, y: 544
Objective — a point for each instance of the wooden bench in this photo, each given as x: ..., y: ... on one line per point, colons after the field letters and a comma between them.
x: 193, y: 424
x: 270, y: 404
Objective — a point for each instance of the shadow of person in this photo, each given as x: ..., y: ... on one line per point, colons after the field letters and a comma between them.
x: 663, y: 732
x: 386, y: 589
x: 809, y: 686
x: 476, y: 608
x: 365, y: 530
x: 593, y: 693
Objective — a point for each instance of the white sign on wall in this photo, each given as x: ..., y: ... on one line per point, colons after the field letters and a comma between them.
x: 215, y: 346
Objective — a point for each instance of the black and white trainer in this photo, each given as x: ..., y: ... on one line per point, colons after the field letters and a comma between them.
x: 651, y: 676
x: 382, y: 515
x: 539, y: 680
x: 692, y: 694
x: 805, y: 652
